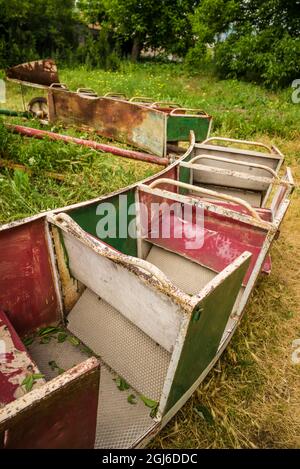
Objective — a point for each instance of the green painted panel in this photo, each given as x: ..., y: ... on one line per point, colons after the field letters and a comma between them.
x: 204, y: 333
x: 179, y: 127
x: 88, y: 219
x: 184, y: 176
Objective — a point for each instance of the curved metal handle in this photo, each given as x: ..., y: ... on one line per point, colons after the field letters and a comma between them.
x: 58, y: 85
x: 201, y: 190
x: 110, y: 253
x: 197, y: 112
x: 242, y: 163
x: 87, y: 91
x: 141, y: 99
x: 167, y: 103
x: 114, y: 95
x: 233, y: 140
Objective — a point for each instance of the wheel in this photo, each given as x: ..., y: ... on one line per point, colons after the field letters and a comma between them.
x: 38, y: 107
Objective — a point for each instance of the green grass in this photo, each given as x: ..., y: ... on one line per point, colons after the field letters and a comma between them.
x: 87, y: 174
x: 251, y: 397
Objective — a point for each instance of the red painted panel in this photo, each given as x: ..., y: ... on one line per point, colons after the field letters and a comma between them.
x: 61, y: 419
x: 171, y: 174
x: 15, y: 363
x: 224, y: 238
x: 27, y: 292
x: 221, y: 245
x: 264, y: 213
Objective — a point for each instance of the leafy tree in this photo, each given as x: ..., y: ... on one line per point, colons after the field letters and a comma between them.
x: 145, y: 23
x: 92, y: 11
x: 30, y: 29
x: 253, y: 39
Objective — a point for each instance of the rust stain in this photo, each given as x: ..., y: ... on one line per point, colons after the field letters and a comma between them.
x: 40, y: 72
x: 111, y: 118
x: 71, y: 288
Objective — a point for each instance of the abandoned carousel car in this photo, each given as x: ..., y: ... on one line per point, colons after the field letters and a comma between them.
x: 108, y: 324
x: 148, y: 125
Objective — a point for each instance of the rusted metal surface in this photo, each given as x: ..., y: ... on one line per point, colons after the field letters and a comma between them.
x: 202, y: 337
x: 117, y: 119
x: 15, y: 364
x: 71, y: 288
x: 40, y: 72
x: 61, y: 414
x: 27, y: 291
x: 41, y: 134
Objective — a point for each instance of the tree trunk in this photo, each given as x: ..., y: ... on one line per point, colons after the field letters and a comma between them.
x: 136, y: 49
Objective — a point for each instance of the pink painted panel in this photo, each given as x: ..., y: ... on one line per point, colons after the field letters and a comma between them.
x: 27, y: 291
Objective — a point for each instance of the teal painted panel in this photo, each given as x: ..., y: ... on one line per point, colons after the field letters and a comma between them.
x: 88, y: 219
x: 204, y: 333
x: 179, y: 127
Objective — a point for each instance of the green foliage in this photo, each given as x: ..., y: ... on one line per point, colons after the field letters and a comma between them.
x: 55, y: 367
x: 253, y: 39
x: 88, y: 173
x: 35, y: 28
x: 30, y: 380
x: 263, y: 57
x: 138, y: 24
x: 122, y: 385
x: 92, y: 11
x: 153, y: 405
x: 100, y: 51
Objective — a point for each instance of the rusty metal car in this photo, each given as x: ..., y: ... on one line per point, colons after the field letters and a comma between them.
x: 139, y: 121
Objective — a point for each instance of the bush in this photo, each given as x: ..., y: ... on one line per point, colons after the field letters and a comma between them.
x: 99, y: 51
x: 260, y: 58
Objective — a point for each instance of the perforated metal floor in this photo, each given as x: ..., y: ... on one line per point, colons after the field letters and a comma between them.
x: 119, y: 423
x: 121, y: 344
x: 185, y: 274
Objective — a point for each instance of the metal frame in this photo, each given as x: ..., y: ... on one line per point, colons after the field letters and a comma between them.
x: 244, y: 142
x: 208, y: 192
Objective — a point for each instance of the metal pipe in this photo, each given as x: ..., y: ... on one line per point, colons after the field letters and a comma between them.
x: 8, y: 112
x: 40, y: 134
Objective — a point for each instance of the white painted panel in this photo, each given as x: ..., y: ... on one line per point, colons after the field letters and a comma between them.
x: 149, y: 309
x: 272, y: 161
x: 229, y: 180
x: 253, y: 198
